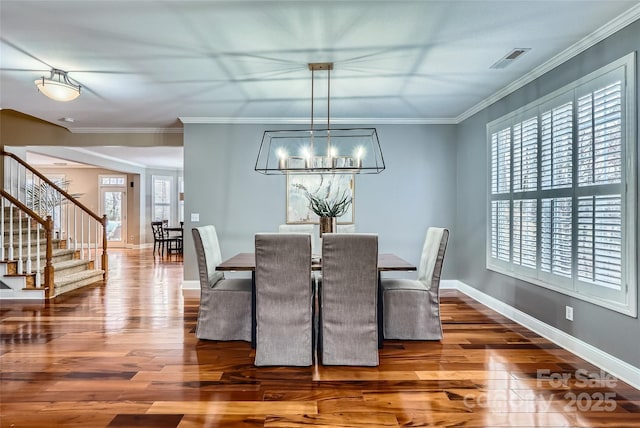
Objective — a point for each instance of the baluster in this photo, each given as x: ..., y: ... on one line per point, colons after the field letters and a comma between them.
x: 11, y: 178
x: 20, y: 266
x: 75, y: 229
x: 29, y: 269
x: 97, y: 259
x: 68, y: 218
x: 38, y: 266
x: 81, y: 235
x: 10, y: 231
x: 4, y: 216
x: 89, y: 238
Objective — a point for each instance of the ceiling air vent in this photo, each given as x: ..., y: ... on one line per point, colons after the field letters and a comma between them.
x: 509, y: 58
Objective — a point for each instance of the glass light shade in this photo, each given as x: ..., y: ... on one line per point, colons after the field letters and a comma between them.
x: 58, y: 87
x: 349, y: 151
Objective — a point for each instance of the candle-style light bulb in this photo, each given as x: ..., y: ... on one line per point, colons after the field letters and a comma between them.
x: 332, y: 153
x: 282, y: 158
x: 306, y: 154
x: 359, y: 156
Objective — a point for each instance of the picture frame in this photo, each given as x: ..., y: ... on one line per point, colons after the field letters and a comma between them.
x: 329, y: 185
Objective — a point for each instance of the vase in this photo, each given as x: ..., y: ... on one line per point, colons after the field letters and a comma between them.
x: 328, y: 225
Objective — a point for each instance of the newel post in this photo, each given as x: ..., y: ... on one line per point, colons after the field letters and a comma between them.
x: 48, y: 267
x: 105, y: 257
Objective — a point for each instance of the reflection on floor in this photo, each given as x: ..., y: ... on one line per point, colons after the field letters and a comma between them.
x: 124, y: 353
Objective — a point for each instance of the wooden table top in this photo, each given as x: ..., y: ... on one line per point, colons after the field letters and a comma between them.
x: 247, y: 262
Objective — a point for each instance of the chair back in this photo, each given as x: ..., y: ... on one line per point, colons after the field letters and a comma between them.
x: 284, y: 298
x: 349, y: 327
x: 435, y: 245
x: 156, y: 227
x: 208, y: 254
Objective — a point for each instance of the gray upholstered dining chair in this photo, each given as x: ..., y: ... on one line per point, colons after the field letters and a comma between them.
x: 284, y: 300
x: 348, y: 332
x: 412, y: 307
x: 225, y: 303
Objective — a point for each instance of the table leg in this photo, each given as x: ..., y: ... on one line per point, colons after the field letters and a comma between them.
x: 380, y: 314
x: 253, y: 309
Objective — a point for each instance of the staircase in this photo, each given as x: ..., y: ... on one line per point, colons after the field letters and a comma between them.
x: 70, y: 273
x: 34, y: 265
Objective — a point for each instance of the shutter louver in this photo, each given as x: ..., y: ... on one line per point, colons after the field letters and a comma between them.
x: 600, y: 240
x: 555, y: 226
x: 501, y: 230
x: 501, y: 162
x: 600, y: 136
x: 524, y: 232
x: 556, y: 147
x: 525, y: 155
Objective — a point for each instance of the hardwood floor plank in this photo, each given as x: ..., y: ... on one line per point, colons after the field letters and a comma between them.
x: 235, y: 407
x: 124, y: 353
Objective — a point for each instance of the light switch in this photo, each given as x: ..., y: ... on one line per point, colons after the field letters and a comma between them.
x: 195, y: 217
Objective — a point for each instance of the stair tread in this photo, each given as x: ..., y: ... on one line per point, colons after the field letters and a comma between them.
x: 56, y: 252
x: 70, y: 263
x: 77, y: 276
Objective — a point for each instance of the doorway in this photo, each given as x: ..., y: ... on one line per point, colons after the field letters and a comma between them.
x: 113, y: 203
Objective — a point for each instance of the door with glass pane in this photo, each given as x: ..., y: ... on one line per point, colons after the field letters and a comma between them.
x: 113, y: 203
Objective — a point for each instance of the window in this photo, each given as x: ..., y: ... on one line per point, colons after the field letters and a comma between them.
x: 161, y: 195
x: 562, y: 208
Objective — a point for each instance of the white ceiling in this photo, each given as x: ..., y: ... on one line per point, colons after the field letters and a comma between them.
x: 144, y: 64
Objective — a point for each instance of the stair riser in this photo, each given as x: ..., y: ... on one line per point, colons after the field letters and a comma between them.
x: 78, y: 284
x: 68, y: 271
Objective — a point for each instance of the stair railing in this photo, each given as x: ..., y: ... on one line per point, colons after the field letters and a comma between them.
x: 73, y: 224
x: 20, y: 218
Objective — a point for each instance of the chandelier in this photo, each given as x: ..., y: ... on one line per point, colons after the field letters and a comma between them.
x: 57, y: 86
x: 325, y: 150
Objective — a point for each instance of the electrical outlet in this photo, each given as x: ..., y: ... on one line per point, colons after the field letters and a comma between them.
x: 195, y: 217
x: 569, y: 313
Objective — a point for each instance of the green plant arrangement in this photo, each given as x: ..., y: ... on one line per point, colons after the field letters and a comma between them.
x: 334, y: 207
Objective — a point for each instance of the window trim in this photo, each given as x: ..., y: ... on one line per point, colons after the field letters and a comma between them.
x: 629, y: 192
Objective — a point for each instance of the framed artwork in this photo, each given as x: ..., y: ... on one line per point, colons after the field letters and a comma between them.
x: 326, y: 185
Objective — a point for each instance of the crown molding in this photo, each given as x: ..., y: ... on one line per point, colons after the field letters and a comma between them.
x: 318, y: 120
x: 597, y: 36
x: 88, y: 130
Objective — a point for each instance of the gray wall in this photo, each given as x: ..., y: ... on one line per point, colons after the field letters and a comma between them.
x: 610, y: 331
x: 416, y: 190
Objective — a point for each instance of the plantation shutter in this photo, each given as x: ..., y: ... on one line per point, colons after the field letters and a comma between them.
x: 562, y: 211
x: 600, y: 204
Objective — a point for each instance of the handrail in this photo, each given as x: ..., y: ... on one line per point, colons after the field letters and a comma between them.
x: 24, y: 208
x: 54, y: 186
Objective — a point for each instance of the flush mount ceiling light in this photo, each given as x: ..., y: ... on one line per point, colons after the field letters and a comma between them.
x: 351, y: 151
x: 58, y: 86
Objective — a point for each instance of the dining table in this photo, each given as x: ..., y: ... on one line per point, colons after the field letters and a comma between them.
x: 246, y: 262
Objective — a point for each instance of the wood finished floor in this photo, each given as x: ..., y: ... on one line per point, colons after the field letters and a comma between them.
x: 124, y: 354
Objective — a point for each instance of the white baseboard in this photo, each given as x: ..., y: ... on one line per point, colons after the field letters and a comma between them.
x: 190, y: 285
x: 618, y: 368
